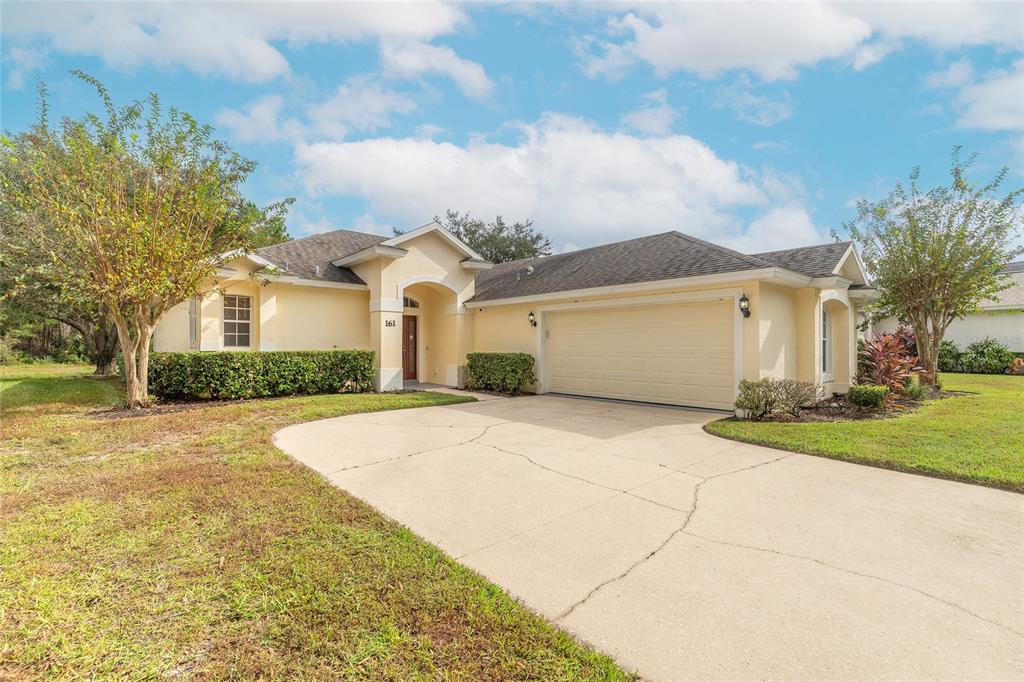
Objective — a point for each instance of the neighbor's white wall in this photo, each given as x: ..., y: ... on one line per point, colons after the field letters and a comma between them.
x: 1004, y: 326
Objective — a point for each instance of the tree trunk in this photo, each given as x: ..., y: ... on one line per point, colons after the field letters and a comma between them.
x: 135, y: 351
x: 106, y: 367
x: 104, y: 348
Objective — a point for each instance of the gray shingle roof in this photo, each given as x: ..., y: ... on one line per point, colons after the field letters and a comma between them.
x: 816, y: 261
x: 1014, y: 267
x: 300, y: 257
x: 647, y: 259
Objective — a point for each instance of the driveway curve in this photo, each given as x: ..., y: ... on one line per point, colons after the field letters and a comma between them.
x: 685, y: 556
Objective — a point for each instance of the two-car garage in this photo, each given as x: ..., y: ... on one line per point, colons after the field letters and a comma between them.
x: 681, y: 353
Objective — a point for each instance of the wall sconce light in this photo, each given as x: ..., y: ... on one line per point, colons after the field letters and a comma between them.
x: 745, y: 305
x: 532, y: 318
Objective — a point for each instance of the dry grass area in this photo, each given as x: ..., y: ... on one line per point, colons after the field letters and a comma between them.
x: 184, y: 545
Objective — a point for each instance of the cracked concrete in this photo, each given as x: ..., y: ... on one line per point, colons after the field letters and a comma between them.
x: 685, y: 556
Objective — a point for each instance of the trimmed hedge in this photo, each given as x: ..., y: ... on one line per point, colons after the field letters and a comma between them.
x: 867, y: 395
x: 503, y: 372
x: 235, y: 375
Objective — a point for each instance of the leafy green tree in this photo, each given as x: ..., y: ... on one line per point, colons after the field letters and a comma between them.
x: 935, y: 255
x: 497, y: 242
x: 130, y: 209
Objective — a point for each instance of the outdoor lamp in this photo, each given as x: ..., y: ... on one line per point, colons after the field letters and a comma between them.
x: 744, y: 305
x: 532, y: 318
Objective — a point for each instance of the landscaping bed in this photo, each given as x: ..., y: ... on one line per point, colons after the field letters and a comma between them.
x: 838, y: 408
x: 977, y: 437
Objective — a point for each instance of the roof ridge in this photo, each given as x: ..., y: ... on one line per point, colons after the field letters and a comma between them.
x: 846, y: 242
x: 313, y: 237
x: 578, y: 251
x: 753, y: 260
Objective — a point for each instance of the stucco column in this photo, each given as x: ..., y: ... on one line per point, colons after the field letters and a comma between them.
x: 267, y: 320
x: 808, y: 335
x: 463, y: 319
x: 386, y: 341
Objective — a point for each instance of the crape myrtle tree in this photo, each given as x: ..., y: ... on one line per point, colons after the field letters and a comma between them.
x: 935, y: 255
x: 130, y: 209
x: 497, y: 241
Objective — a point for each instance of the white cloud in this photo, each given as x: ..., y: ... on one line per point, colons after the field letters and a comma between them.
x: 230, y: 39
x: 655, y: 115
x: 782, y: 227
x: 19, y: 62
x: 775, y: 40
x: 359, y: 104
x: 428, y: 130
x: 995, y: 103
x: 411, y: 59
x: 771, y: 40
x: 750, y: 107
x: 579, y: 183
x: 956, y: 75
x: 260, y: 121
x: 771, y: 146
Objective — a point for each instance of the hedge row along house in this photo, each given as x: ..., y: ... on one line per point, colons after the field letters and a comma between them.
x: 665, y: 319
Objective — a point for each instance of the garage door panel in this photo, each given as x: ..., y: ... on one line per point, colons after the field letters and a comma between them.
x: 680, y: 353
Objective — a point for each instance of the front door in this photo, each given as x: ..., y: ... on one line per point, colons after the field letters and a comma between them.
x: 409, y: 347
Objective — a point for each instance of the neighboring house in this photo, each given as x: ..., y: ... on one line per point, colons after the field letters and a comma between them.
x: 1001, y: 318
x: 654, y: 319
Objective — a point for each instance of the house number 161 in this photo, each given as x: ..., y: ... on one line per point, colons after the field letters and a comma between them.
x: 389, y: 323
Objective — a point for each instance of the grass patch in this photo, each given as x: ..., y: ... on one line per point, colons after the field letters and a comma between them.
x: 977, y: 437
x: 184, y: 544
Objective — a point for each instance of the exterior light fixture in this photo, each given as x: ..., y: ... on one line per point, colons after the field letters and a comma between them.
x: 745, y: 305
x: 532, y: 318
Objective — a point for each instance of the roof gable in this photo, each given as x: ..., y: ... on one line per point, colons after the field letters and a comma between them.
x: 435, y: 228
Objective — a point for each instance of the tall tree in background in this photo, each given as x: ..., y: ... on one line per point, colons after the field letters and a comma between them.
x: 935, y: 255
x: 497, y: 242
x: 130, y: 210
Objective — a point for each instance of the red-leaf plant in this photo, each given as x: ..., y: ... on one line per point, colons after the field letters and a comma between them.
x: 884, y: 361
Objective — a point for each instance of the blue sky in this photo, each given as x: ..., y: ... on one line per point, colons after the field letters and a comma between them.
x: 756, y: 126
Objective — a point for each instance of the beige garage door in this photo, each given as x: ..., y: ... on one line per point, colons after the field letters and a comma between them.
x: 679, y: 354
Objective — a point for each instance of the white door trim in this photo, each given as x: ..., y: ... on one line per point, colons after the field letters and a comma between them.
x: 656, y: 299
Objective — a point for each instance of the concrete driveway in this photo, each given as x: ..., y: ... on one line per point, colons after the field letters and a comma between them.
x: 685, y: 556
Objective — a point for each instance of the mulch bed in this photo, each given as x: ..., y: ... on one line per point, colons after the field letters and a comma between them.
x: 838, y: 408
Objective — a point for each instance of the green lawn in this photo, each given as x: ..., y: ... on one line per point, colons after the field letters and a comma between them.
x: 977, y: 437
x: 185, y: 545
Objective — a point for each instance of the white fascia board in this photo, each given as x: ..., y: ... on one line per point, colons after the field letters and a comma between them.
x: 434, y: 227
x: 300, y: 281
x: 242, y: 253
x: 476, y: 265
x: 1002, y: 306
x: 834, y: 282
x: 863, y: 294
x: 381, y: 250
x: 762, y: 274
x: 852, y: 252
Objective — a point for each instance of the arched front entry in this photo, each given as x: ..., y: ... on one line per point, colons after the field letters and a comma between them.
x: 429, y: 331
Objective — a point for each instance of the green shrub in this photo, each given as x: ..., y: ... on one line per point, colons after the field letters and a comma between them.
x: 987, y: 356
x: 503, y: 372
x: 949, y: 357
x: 914, y: 390
x: 866, y: 395
x: 234, y: 375
x: 762, y: 398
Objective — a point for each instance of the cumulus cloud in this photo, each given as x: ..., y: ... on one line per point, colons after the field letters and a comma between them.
x: 576, y: 181
x: 412, y: 59
x: 655, y: 115
x: 751, y: 107
x: 994, y: 103
x: 957, y: 74
x: 260, y: 121
x: 774, y: 41
x: 360, y: 104
x: 231, y: 39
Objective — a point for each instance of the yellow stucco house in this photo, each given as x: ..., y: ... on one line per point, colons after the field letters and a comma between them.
x: 666, y: 318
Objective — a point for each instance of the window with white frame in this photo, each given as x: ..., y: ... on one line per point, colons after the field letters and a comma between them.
x: 410, y: 302
x: 194, y: 321
x: 237, y: 321
x: 826, y: 343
